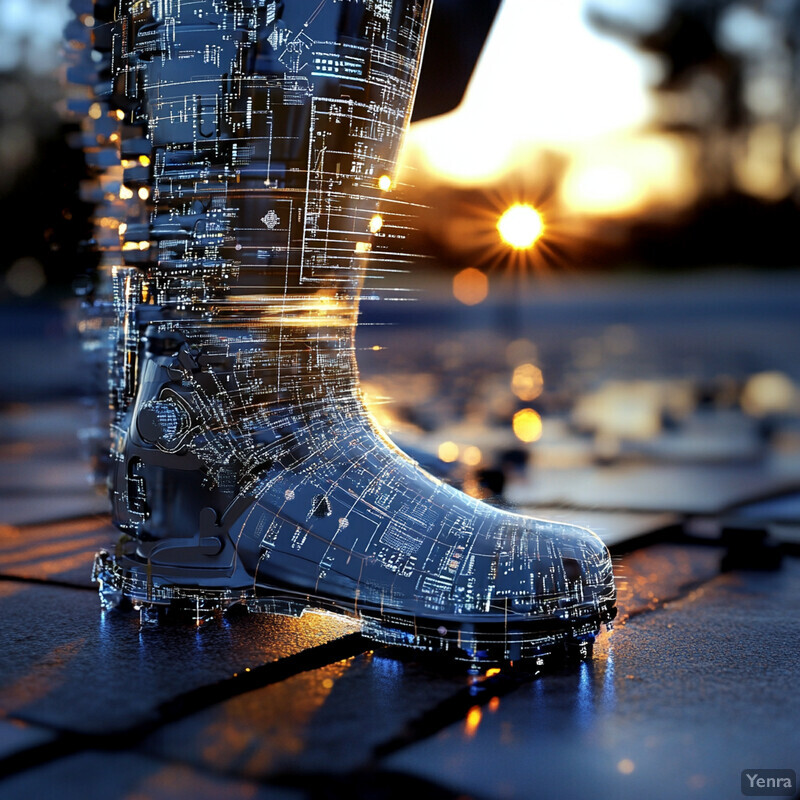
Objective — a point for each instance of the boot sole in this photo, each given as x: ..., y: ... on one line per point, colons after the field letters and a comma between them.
x: 470, y: 642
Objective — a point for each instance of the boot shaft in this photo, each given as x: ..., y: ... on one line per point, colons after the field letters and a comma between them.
x: 261, y: 138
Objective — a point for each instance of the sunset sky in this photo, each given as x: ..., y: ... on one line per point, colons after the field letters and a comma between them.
x: 546, y: 79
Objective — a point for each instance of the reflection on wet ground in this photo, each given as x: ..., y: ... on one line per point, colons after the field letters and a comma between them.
x: 670, y: 424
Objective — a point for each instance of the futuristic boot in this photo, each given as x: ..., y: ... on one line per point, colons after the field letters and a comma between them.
x: 245, y: 469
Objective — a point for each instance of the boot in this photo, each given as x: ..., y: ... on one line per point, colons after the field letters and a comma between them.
x: 262, y: 137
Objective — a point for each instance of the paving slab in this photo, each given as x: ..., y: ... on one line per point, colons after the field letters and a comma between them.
x: 95, y: 775
x: 337, y: 718
x: 676, y: 704
x: 683, y: 489
x: 67, y: 665
x: 613, y: 527
x: 328, y: 720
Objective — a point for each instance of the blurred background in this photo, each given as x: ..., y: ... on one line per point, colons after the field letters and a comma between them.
x: 595, y: 317
x: 605, y: 198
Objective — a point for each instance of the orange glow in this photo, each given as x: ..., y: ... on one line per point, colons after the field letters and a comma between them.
x: 493, y: 671
x: 376, y: 223
x: 494, y: 704
x: 473, y: 721
x: 95, y: 111
x: 144, y: 193
x: 448, y: 451
x: 520, y: 226
x: 120, y: 114
x: 527, y: 425
x: 527, y: 382
x: 626, y: 766
x: 384, y: 183
x: 470, y: 286
x: 363, y: 247
x: 125, y: 193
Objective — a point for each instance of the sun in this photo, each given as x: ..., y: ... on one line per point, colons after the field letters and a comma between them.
x: 520, y: 226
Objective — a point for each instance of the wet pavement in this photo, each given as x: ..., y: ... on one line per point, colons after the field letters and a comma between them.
x: 697, y: 681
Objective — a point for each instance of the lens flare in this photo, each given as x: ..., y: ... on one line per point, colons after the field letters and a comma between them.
x: 520, y: 226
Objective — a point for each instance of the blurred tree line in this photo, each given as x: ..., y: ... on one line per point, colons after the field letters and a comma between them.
x: 727, y: 80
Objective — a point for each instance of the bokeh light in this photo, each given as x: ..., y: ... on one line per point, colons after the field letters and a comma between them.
x: 471, y: 456
x: 448, y: 452
x: 470, y: 286
x: 527, y: 425
x: 768, y: 393
x: 527, y: 382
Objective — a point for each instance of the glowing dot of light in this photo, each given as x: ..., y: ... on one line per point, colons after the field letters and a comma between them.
x: 527, y: 382
x: 520, y: 226
x: 470, y: 286
x: 95, y: 112
x: 120, y: 114
x: 363, y: 247
x: 527, y: 425
x: 472, y: 456
x: 125, y: 193
x: 144, y: 161
x: 384, y: 183
x: 123, y: 226
x: 448, y: 451
x: 626, y: 766
x: 376, y: 223
x: 473, y: 720
x: 144, y: 193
